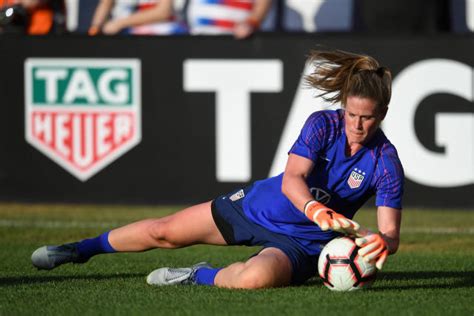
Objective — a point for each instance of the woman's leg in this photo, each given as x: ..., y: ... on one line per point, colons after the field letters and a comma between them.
x: 270, y: 268
x: 193, y: 225
x: 190, y: 226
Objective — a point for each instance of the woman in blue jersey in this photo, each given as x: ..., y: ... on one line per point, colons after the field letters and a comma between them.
x: 340, y: 159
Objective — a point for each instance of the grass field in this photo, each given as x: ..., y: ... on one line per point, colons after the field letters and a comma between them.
x: 432, y: 274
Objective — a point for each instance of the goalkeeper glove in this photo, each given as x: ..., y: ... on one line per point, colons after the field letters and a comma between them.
x: 327, y: 218
x: 373, y: 248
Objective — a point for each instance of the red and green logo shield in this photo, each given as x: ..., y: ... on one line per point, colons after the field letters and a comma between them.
x: 82, y: 113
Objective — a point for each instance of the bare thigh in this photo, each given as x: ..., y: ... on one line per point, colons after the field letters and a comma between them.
x: 193, y: 225
x: 270, y: 268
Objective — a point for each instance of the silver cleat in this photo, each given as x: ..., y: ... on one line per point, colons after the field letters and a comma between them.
x: 171, y: 276
x: 49, y: 257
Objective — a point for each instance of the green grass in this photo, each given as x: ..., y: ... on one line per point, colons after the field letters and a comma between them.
x: 432, y: 274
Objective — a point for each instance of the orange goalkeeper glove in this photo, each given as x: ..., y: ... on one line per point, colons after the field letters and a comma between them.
x: 327, y: 218
x: 373, y: 248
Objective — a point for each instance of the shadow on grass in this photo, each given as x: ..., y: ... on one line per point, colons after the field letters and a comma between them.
x: 13, y: 281
x: 416, y: 280
x: 426, y: 280
x: 398, y: 280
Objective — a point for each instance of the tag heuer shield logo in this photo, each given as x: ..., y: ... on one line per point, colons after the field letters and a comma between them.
x: 82, y: 113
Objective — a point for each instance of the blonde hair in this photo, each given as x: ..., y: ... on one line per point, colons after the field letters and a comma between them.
x: 347, y: 74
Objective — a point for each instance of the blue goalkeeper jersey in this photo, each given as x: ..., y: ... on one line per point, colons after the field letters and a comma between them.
x: 340, y: 182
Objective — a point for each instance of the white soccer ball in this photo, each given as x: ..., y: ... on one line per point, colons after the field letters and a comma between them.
x: 341, y: 267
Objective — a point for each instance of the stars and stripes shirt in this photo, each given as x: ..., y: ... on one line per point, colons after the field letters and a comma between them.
x: 171, y: 26
x: 217, y: 16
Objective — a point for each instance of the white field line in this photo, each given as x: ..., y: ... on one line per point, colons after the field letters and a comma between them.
x: 439, y: 230
x: 12, y: 223
x: 7, y: 223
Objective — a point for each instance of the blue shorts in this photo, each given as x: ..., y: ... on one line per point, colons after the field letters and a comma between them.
x: 237, y: 229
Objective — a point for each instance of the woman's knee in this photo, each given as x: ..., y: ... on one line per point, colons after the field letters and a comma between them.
x: 271, y: 268
x: 162, y: 233
x: 257, y: 278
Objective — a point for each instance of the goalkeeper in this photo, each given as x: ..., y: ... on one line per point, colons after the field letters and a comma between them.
x: 340, y: 159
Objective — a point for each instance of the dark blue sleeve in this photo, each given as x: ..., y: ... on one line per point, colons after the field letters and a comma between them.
x: 389, y: 186
x: 312, y: 137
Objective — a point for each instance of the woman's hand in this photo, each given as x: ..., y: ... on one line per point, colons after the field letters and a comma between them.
x: 112, y: 27
x: 327, y: 218
x: 373, y: 248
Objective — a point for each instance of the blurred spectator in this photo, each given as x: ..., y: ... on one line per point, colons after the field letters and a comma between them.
x: 34, y: 17
x: 403, y: 16
x: 318, y: 15
x: 144, y: 17
x: 243, y: 17
x: 462, y: 16
x: 238, y: 17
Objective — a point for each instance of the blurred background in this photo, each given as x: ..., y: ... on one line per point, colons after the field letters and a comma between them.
x: 179, y: 101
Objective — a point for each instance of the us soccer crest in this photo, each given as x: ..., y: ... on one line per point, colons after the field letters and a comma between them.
x: 82, y: 113
x: 356, y: 178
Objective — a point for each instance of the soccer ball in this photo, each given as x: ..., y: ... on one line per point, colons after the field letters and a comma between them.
x: 341, y: 267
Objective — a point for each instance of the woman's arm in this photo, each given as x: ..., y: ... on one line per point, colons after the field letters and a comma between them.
x: 389, y: 221
x: 257, y: 15
x: 294, y: 184
x: 259, y: 11
x: 296, y: 190
x: 100, y: 16
x: 162, y: 11
x: 376, y: 247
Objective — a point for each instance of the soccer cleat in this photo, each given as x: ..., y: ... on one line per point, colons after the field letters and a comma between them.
x: 49, y: 257
x: 171, y: 276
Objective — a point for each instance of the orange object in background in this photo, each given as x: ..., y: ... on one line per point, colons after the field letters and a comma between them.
x: 41, y: 21
x: 40, y: 15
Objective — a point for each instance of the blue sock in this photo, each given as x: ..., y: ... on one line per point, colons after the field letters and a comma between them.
x: 94, y: 246
x: 206, y: 276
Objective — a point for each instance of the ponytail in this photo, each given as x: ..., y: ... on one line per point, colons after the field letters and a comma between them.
x: 338, y: 74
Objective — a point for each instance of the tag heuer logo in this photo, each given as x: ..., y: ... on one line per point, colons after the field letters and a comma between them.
x: 82, y: 113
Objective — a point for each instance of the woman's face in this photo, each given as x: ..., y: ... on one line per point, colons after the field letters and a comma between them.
x: 362, y: 118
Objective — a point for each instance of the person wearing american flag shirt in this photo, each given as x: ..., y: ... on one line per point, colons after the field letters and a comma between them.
x: 217, y: 17
x: 136, y: 17
x: 340, y: 159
